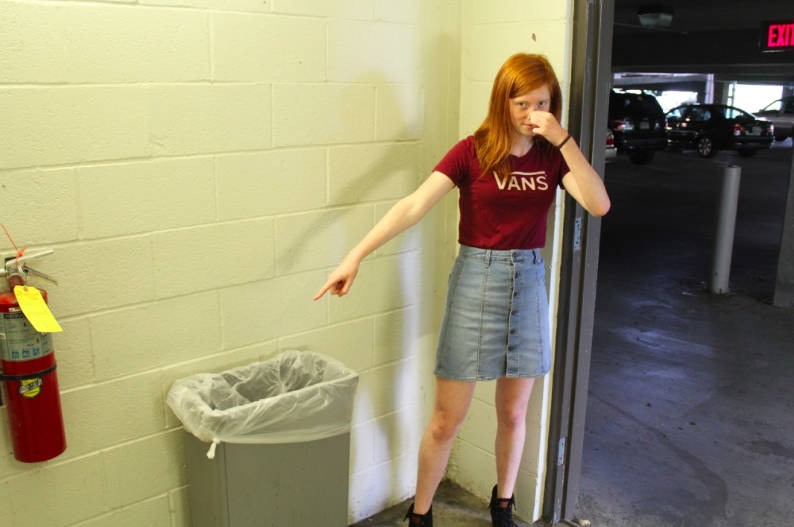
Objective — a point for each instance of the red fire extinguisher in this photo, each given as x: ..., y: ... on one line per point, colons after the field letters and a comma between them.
x: 28, y: 366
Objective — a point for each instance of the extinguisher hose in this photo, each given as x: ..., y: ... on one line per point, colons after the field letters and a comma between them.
x: 4, y: 377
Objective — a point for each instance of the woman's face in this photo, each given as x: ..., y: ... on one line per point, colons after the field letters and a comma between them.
x: 537, y: 100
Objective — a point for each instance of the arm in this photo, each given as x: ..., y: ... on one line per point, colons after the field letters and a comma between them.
x: 582, y: 182
x: 404, y: 214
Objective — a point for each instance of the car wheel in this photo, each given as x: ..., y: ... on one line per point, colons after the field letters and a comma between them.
x: 705, y: 147
x: 747, y: 152
x: 780, y: 138
x: 641, y: 157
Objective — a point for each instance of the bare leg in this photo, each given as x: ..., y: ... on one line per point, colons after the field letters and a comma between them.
x: 451, y: 405
x: 512, y: 396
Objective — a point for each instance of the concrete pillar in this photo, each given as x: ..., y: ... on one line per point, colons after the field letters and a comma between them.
x: 731, y: 93
x: 784, y: 284
x: 704, y: 92
x: 709, y: 88
x: 721, y: 92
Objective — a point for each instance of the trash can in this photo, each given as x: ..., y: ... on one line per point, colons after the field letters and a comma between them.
x: 280, y: 434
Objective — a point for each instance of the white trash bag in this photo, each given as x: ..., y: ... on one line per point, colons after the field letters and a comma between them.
x: 296, y: 396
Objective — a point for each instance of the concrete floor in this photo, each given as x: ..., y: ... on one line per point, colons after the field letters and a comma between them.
x: 452, y: 507
x: 690, y: 419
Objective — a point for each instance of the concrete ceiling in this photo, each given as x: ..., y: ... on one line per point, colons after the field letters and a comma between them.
x: 708, y: 15
x: 705, y: 36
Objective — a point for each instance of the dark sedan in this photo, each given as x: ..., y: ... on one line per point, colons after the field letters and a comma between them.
x: 712, y: 127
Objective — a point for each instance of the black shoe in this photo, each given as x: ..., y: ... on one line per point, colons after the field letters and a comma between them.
x: 502, y: 516
x: 419, y: 520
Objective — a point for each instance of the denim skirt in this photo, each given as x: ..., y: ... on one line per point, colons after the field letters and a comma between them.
x: 496, y: 320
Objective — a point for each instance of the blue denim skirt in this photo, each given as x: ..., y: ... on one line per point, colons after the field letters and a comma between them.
x: 496, y: 320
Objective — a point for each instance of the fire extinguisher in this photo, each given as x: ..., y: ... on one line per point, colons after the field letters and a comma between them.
x: 27, y: 367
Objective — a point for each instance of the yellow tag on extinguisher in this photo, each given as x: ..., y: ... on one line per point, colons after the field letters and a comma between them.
x: 36, y: 310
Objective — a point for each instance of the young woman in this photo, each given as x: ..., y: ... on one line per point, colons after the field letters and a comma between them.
x: 495, y: 325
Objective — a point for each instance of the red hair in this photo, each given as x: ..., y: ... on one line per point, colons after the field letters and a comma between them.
x: 519, y: 75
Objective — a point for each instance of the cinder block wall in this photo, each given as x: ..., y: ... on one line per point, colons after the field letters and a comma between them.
x: 492, y: 31
x: 199, y: 166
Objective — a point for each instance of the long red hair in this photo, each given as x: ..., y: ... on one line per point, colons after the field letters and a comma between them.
x: 519, y: 75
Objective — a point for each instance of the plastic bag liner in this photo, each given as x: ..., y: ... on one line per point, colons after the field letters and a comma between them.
x: 296, y: 396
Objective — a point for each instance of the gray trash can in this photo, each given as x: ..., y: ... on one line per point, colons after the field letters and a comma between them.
x: 280, y: 442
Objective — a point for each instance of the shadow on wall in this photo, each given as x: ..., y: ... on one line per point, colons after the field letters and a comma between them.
x: 364, y: 180
x: 361, y: 177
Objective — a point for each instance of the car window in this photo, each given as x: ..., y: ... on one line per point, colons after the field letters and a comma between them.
x: 636, y: 106
x: 790, y: 106
x: 677, y: 113
x: 775, y: 106
x: 736, y: 113
x: 642, y: 103
x: 648, y: 103
x: 699, y: 114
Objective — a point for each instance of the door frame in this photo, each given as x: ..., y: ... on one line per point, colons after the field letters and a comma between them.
x: 591, y: 79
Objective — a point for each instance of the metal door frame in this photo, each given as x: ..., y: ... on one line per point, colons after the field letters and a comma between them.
x: 587, y: 122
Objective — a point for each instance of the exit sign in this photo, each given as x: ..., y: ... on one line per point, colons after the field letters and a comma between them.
x: 777, y: 36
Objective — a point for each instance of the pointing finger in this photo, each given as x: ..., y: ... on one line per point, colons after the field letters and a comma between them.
x: 323, y: 290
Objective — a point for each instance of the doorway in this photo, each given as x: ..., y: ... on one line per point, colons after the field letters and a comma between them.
x: 673, y: 370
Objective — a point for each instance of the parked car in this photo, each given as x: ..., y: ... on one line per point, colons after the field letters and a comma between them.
x: 712, y: 127
x: 781, y: 114
x: 611, y: 151
x: 637, y: 120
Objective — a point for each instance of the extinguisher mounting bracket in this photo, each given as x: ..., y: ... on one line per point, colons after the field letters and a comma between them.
x: 27, y: 376
x: 17, y: 271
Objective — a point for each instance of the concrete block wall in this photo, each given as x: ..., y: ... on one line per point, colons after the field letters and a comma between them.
x: 491, y: 32
x: 199, y: 166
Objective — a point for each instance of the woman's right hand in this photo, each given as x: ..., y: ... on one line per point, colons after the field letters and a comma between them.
x: 405, y: 213
x: 341, y: 279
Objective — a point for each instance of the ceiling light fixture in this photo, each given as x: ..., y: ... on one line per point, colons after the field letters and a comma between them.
x: 655, y: 16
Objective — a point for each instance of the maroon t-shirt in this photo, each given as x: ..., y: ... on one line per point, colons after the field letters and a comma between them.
x: 501, y: 214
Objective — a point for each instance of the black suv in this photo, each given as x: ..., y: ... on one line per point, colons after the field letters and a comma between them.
x: 637, y: 120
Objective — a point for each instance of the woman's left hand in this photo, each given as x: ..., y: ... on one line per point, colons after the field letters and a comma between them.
x: 581, y: 181
x: 547, y: 126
